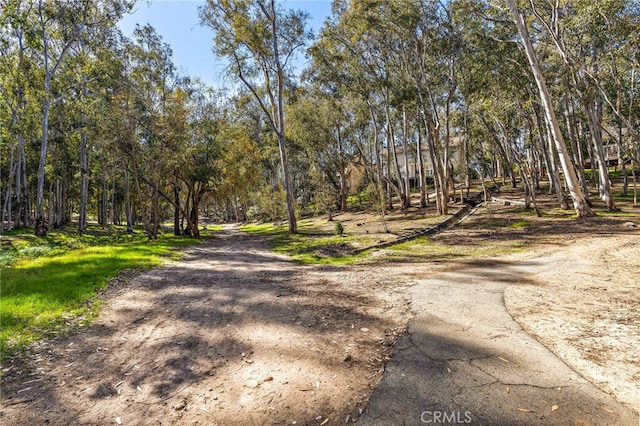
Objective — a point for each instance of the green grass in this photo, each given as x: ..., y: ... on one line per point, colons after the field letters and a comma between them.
x: 46, y: 283
x: 310, y: 246
x: 519, y: 224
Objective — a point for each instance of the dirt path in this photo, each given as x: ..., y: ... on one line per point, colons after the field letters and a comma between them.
x: 236, y: 335
x: 232, y: 334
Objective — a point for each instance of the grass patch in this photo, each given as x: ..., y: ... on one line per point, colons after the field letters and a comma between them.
x: 427, y: 249
x: 47, y: 283
x: 519, y: 224
x: 616, y: 213
x: 310, y: 246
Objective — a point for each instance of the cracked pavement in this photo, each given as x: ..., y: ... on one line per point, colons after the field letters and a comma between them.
x: 465, y: 360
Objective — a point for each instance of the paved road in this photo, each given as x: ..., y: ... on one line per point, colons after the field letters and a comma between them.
x: 466, y: 361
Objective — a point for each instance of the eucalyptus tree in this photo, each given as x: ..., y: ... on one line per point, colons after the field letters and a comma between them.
x: 55, y: 27
x: 580, y: 203
x: 323, y: 127
x: 356, y: 53
x: 260, y: 41
x: 17, y: 113
x: 154, y: 105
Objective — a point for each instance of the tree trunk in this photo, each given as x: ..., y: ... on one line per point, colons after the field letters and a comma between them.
x: 8, y: 200
x: 343, y: 176
x: 580, y: 204
x: 594, y: 115
x: 555, y: 171
x: 177, y: 231
x: 84, y: 183
x: 58, y: 216
x: 405, y: 146
x: 279, y: 121
x: 26, y: 205
x: 421, y: 174
x: 575, y: 147
x: 127, y: 203
x: 104, y: 203
x: 396, y: 166
x: 41, y: 227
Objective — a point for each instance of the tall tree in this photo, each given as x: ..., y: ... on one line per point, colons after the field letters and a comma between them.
x: 580, y: 204
x: 58, y: 25
x: 260, y: 41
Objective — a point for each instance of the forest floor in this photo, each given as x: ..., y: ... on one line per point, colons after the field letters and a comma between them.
x: 234, y: 334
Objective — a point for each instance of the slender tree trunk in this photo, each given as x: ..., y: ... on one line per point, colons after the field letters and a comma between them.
x: 396, y: 165
x: 177, y: 231
x: 19, y: 206
x: 623, y: 166
x: 84, y: 169
x: 580, y: 204
x: 41, y: 227
x: 575, y: 147
x: 421, y: 174
x: 8, y: 200
x: 104, y: 202
x: 635, y: 187
x: 405, y: 145
x: 555, y: 171
x: 342, y: 172
x: 293, y: 224
x: 594, y: 114
x: 27, y: 205
x: 127, y: 203
x: 84, y: 183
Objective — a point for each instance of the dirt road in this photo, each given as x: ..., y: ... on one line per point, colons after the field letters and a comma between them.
x: 231, y: 335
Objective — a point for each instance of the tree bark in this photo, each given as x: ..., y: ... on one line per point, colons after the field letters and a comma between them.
x: 84, y: 183
x: 580, y: 204
x: 405, y: 146
x: 594, y: 114
x: 127, y: 202
x: 421, y: 174
x: 41, y: 227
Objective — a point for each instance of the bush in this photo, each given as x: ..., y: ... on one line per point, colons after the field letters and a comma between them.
x: 339, y: 228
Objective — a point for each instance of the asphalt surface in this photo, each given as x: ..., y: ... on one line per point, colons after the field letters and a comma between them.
x: 465, y: 360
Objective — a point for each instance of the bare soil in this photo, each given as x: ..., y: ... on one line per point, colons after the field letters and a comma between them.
x: 234, y: 334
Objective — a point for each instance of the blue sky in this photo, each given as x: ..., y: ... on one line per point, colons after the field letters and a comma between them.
x: 177, y: 22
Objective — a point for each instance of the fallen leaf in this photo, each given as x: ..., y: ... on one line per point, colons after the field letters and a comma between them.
x: 524, y: 410
x: 608, y: 410
x: 502, y: 359
x: 325, y: 422
x: 364, y: 329
x: 554, y: 408
x: 508, y: 389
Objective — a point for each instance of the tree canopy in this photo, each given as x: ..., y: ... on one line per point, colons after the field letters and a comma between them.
x: 398, y: 96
